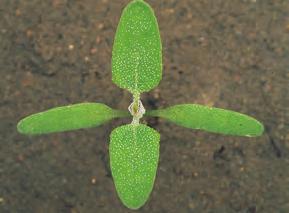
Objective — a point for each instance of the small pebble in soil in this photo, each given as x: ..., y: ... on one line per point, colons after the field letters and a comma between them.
x: 70, y: 46
x: 93, y: 50
x: 93, y: 180
x: 86, y: 58
x: 195, y: 174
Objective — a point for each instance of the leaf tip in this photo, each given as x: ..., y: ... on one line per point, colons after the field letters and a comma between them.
x: 260, y: 129
x: 257, y: 131
x: 133, y: 206
x: 21, y: 127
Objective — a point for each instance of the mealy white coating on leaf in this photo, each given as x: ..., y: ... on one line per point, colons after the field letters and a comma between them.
x: 65, y: 118
x: 134, y: 154
x: 211, y: 119
x: 137, y: 55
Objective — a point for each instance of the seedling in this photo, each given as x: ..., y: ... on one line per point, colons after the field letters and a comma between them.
x: 134, y: 148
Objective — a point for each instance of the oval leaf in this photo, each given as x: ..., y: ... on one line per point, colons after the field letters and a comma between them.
x: 137, y: 50
x: 134, y: 155
x: 211, y: 119
x: 66, y: 118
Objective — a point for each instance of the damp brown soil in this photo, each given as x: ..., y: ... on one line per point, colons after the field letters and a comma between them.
x: 229, y: 54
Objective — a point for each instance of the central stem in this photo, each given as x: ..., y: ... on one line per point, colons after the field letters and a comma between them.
x: 136, y: 109
x: 136, y: 99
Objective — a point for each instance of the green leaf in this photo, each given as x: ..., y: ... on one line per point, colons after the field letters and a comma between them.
x: 210, y: 119
x: 134, y: 155
x: 137, y: 50
x: 66, y: 118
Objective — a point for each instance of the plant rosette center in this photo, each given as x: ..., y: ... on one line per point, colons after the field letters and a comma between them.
x: 137, y: 110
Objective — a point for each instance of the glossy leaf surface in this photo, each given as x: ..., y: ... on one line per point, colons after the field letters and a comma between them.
x: 137, y: 50
x: 66, y: 118
x: 134, y: 155
x: 211, y: 119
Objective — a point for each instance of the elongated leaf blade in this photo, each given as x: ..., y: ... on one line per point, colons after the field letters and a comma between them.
x: 67, y: 118
x: 137, y: 50
x: 211, y: 119
x: 134, y: 155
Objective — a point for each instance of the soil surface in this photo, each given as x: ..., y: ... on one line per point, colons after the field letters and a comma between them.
x: 229, y: 54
